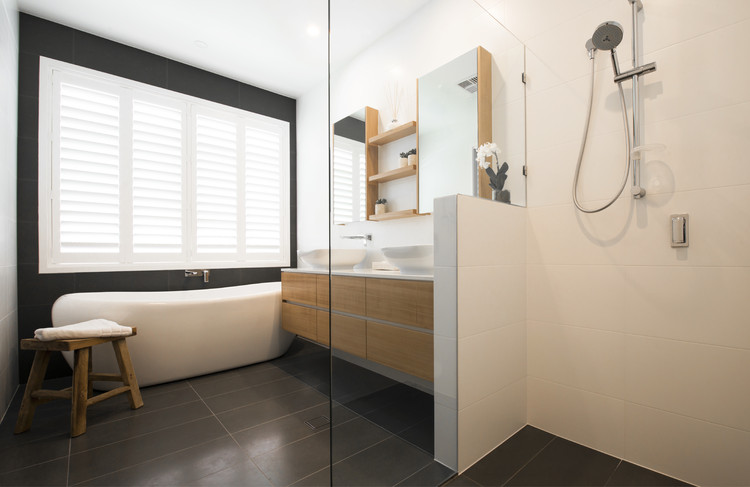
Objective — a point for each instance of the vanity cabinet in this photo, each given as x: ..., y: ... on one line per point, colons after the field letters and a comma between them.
x: 388, y: 321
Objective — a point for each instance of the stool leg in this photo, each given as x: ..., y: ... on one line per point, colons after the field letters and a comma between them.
x: 29, y: 404
x: 91, y: 368
x: 127, y: 373
x: 80, y: 391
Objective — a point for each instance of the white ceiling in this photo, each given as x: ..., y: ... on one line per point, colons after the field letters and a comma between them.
x: 264, y: 43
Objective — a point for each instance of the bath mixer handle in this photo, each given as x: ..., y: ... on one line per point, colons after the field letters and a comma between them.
x: 198, y: 273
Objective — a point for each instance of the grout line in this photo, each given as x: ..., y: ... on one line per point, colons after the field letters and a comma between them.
x: 530, y: 460
x: 613, y: 472
x: 67, y: 468
x: 10, y: 403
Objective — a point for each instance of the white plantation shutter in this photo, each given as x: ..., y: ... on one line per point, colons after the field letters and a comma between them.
x: 216, y: 185
x: 134, y: 177
x: 362, y: 187
x: 88, y: 173
x: 349, y: 181
x: 157, y: 179
x: 263, y: 192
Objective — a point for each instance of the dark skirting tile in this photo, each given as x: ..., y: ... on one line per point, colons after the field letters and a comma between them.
x: 261, y: 412
x: 47, y: 474
x: 124, y: 429
x: 297, y: 460
x: 94, y: 463
x: 181, y: 468
x: 120, y: 60
x: 386, y: 463
x: 504, y: 461
x: 630, y: 475
x: 564, y: 463
x: 432, y: 475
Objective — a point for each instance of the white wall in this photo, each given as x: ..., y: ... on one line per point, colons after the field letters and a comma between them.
x: 8, y: 133
x: 435, y: 35
x: 635, y: 348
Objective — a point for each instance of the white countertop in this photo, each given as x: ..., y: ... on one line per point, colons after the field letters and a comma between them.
x: 364, y: 273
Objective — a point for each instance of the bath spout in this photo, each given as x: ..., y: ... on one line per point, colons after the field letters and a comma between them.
x: 198, y: 273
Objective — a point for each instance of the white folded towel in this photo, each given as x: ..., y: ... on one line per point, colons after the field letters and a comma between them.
x: 98, y: 328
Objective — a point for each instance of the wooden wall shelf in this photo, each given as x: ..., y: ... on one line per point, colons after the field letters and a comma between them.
x: 399, y: 132
x: 401, y: 172
x: 393, y: 215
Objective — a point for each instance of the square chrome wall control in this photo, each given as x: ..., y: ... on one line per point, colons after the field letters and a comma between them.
x: 679, y: 230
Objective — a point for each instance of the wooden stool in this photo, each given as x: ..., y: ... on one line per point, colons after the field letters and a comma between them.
x: 82, y: 391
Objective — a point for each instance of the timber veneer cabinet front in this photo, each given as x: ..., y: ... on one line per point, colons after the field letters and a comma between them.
x: 385, y: 320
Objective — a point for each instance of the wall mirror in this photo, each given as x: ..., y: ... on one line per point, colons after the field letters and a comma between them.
x: 349, y: 170
x: 477, y: 97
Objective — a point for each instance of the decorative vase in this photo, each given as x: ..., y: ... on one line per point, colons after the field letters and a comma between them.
x: 380, y: 209
x: 495, y: 195
x: 412, y: 159
x: 403, y: 162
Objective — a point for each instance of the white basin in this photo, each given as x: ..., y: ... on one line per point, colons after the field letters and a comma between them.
x: 411, y: 259
x: 340, y: 258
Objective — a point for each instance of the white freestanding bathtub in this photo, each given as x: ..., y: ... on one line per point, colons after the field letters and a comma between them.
x: 184, y: 333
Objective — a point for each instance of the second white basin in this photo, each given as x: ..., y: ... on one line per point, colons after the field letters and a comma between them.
x: 411, y: 259
x: 340, y: 258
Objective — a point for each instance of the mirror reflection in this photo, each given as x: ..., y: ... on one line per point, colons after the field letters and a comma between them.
x: 349, y: 170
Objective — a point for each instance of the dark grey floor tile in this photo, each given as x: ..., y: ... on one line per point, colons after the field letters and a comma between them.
x: 293, y: 462
x: 461, y: 481
x: 102, y: 461
x: 155, y: 390
x: 242, y: 474
x: 564, y: 463
x: 23, y: 455
x: 386, y: 463
x: 432, y: 475
x: 180, y: 468
x: 421, y: 435
x: 262, y: 412
x: 400, y: 416
x: 114, y: 431
x: 230, y: 381
x: 48, y: 423
x: 630, y: 475
x: 321, y: 478
x: 283, y: 431
x: 354, y: 436
x: 48, y: 474
x: 504, y: 461
x: 249, y: 395
x: 118, y: 407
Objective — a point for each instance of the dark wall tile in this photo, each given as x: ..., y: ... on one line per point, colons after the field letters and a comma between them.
x: 262, y: 274
x: 28, y: 233
x: 28, y: 202
x: 28, y: 74
x: 120, y: 281
x: 261, y: 101
x: 29, y: 319
x: 45, y: 38
x: 28, y: 117
x: 120, y: 60
x: 35, y: 289
x: 28, y: 159
x: 216, y: 278
x: 202, y: 84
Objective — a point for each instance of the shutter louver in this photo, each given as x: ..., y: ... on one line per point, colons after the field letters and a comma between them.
x: 216, y: 186
x: 263, y: 193
x: 362, y: 188
x: 89, y: 207
x: 157, y: 179
x: 343, y: 171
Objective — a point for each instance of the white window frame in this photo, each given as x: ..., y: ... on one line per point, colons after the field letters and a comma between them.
x: 52, y: 261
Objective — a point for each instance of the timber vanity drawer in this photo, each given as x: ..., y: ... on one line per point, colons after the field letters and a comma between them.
x: 384, y: 320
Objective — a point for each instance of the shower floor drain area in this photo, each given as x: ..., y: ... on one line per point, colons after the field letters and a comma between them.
x: 317, y: 423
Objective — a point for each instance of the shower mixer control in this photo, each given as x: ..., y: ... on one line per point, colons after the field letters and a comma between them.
x: 679, y: 230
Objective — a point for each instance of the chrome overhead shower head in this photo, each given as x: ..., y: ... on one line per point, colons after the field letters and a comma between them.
x: 607, y: 36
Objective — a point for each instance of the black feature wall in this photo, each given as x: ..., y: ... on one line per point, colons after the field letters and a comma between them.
x: 37, y: 292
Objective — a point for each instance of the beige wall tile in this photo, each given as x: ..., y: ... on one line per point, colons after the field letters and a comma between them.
x: 490, y: 233
x: 587, y: 359
x: 696, y: 451
x: 584, y: 417
x: 490, y: 361
x: 490, y: 297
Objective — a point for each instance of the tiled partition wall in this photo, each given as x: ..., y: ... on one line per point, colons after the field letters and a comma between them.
x: 480, y: 325
x: 635, y: 348
x: 8, y: 290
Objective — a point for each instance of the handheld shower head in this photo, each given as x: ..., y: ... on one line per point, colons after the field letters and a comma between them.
x: 607, y: 36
